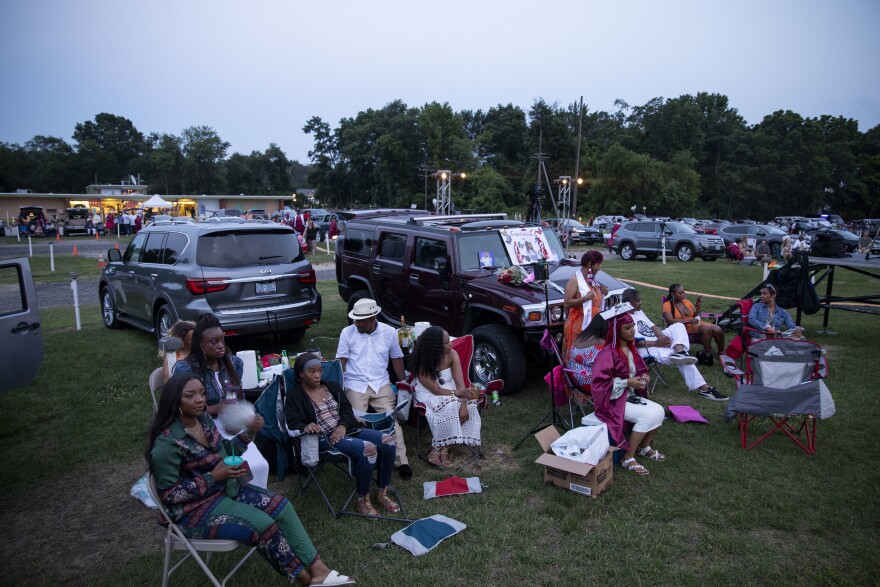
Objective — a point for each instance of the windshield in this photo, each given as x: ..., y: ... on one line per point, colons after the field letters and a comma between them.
x: 240, y: 249
x: 574, y: 224
x: 475, y: 246
x: 773, y: 230
x: 680, y: 227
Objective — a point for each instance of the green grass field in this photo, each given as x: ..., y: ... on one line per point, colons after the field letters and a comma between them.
x: 711, y: 514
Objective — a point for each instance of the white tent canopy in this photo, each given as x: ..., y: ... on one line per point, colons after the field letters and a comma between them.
x: 156, y: 202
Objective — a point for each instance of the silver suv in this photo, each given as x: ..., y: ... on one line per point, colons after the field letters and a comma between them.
x: 251, y: 274
x: 644, y: 237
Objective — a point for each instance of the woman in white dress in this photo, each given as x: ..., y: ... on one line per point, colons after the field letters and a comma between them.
x: 451, y: 407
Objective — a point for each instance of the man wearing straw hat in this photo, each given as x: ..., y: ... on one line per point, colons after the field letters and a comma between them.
x: 364, y: 350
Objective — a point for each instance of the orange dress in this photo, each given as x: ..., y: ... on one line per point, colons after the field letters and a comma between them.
x: 691, y: 312
x: 574, y: 324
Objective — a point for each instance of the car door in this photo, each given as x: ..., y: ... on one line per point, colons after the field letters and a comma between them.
x: 130, y: 296
x: 21, y: 335
x: 144, y: 272
x: 387, y: 272
x: 429, y: 297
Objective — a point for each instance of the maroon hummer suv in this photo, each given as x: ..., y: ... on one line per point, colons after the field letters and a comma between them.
x: 443, y: 270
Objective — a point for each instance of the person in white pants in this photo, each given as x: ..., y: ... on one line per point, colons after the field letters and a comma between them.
x: 668, y: 347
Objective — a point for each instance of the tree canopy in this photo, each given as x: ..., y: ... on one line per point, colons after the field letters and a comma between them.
x: 690, y: 155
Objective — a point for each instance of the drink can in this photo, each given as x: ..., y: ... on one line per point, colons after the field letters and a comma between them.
x: 496, y: 398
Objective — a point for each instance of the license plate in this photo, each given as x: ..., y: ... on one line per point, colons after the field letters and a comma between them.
x: 266, y: 288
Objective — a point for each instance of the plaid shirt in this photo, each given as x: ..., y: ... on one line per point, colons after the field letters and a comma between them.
x: 327, y: 413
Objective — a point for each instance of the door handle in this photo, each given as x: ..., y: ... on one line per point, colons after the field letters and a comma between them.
x: 24, y: 327
x: 413, y: 277
x: 154, y: 275
x: 377, y: 269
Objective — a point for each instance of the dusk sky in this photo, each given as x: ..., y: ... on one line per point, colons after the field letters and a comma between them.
x: 257, y: 71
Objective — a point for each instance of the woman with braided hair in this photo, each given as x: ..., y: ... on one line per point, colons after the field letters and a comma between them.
x: 220, y: 372
x: 452, y: 410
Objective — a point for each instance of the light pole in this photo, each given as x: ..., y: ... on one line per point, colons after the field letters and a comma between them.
x: 564, y: 182
x: 443, y: 201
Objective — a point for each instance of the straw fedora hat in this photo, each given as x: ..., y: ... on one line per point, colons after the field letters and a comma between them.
x: 363, y: 309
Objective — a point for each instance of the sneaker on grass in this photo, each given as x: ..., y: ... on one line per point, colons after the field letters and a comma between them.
x: 682, y: 358
x: 712, y: 394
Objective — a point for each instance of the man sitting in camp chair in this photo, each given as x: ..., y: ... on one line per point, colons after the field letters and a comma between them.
x: 668, y: 347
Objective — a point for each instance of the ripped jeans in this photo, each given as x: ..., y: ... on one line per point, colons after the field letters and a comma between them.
x: 354, y: 446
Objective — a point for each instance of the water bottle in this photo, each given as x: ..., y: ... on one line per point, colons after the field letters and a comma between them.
x: 284, y: 359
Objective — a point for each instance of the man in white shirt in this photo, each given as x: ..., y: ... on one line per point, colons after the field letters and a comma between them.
x: 668, y: 347
x: 364, y: 350
x: 800, y: 244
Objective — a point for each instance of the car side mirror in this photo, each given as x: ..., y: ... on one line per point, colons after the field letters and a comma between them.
x: 114, y: 255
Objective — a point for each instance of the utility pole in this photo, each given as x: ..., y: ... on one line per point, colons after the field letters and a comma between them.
x: 577, y: 160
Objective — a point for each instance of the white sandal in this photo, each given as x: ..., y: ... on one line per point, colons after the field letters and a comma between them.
x: 334, y: 578
x: 655, y: 456
x: 635, y: 467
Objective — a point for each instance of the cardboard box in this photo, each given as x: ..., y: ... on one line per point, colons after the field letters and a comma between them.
x: 578, y: 477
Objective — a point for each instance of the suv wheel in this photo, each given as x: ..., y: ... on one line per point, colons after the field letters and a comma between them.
x: 498, y: 355
x: 627, y: 253
x: 164, y: 320
x: 685, y: 253
x: 108, y: 310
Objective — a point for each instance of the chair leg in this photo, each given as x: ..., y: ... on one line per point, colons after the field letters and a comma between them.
x: 238, y: 566
x: 165, y: 573
x: 476, y: 453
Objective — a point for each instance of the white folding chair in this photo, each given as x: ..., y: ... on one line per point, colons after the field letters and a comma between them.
x: 175, y: 539
x: 156, y: 382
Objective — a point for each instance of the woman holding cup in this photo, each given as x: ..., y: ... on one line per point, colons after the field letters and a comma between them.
x: 220, y: 371
x: 208, y: 498
x: 452, y: 409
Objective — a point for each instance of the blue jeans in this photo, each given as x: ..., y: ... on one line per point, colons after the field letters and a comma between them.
x: 353, y: 447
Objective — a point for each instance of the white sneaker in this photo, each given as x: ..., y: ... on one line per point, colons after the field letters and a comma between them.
x: 682, y: 359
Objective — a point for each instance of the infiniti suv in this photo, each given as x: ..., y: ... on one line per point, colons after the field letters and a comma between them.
x: 251, y: 274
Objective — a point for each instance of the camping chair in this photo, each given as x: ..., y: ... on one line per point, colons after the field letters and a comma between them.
x: 175, y: 539
x: 578, y: 397
x: 783, y: 381
x: 464, y: 347
x: 156, y: 382
x: 274, y: 435
x: 656, y: 369
x: 384, y: 422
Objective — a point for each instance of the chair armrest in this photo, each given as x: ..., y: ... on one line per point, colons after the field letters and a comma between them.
x: 405, y: 386
x: 731, y: 368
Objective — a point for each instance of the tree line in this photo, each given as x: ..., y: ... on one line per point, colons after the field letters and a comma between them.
x: 109, y: 148
x: 690, y: 155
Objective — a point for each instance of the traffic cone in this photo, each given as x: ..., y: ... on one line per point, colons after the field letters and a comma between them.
x: 57, y: 236
x: 96, y: 236
x: 101, y: 261
x: 75, y: 252
x: 117, y: 246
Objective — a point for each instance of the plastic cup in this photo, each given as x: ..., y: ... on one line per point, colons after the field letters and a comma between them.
x: 233, y: 461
